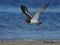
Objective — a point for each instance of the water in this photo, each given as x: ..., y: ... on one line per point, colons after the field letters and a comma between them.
x: 12, y: 28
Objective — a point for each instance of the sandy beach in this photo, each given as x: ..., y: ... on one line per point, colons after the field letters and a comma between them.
x: 30, y: 43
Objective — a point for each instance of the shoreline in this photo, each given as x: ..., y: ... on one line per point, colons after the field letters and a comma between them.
x: 42, y: 42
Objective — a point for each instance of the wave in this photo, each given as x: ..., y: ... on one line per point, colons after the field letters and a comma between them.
x: 12, y: 28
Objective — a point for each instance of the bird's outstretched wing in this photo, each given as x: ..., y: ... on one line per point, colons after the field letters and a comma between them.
x: 25, y: 11
x: 39, y: 12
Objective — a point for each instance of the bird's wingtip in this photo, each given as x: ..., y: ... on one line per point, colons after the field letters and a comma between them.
x: 48, y: 3
x: 22, y: 6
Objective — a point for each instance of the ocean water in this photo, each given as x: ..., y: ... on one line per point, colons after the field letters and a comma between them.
x: 12, y: 28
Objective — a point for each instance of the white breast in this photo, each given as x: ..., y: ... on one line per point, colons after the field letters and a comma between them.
x: 33, y: 21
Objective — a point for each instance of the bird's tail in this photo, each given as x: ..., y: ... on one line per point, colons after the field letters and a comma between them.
x: 39, y: 23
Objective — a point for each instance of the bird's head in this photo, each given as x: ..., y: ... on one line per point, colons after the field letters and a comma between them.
x: 24, y: 21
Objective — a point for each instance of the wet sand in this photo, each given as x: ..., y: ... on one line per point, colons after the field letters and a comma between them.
x: 30, y: 43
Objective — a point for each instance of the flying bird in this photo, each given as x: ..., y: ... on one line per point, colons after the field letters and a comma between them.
x: 34, y: 19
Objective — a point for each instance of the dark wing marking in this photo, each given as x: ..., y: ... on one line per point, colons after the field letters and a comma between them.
x: 39, y: 12
x: 25, y: 11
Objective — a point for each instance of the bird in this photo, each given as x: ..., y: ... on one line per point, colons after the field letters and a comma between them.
x: 34, y: 19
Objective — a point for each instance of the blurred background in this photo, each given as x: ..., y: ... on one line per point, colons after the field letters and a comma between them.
x: 11, y: 18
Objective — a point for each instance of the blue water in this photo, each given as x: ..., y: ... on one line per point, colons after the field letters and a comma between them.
x: 12, y: 28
